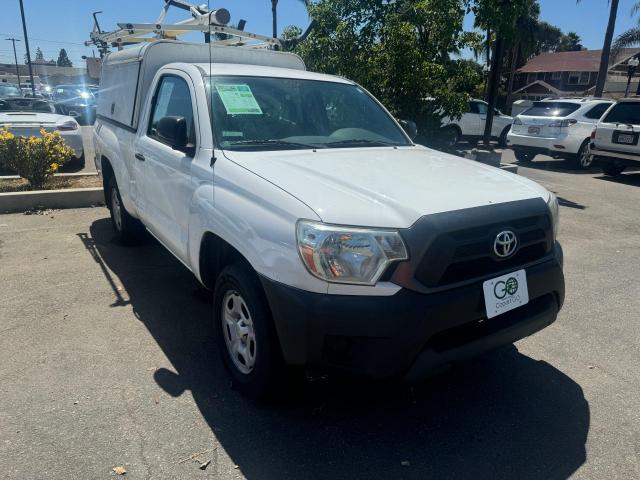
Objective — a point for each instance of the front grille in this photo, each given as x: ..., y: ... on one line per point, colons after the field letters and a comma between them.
x: 463, y: 254
x: 451, y: 248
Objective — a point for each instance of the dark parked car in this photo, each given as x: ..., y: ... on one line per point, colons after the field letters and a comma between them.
x: 9, y: 90
x: 75, y: 101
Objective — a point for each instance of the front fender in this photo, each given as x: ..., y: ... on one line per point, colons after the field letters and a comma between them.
x: 254, y: 216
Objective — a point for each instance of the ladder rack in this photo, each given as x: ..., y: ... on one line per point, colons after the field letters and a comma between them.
x: 213, y: 24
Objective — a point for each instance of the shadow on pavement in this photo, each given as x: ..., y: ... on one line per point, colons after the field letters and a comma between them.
x: 504, y: 415
x: 632, y: 179
x: 558, y: 165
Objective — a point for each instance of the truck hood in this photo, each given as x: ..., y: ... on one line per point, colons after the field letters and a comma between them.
x: 385, y: 187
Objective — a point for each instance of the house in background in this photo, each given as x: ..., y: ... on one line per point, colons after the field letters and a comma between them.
x: 571, y: 74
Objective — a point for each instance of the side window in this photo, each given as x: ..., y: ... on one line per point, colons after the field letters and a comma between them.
x: 172, y: 99
x: 596, y: 112
x: 473, y: 107
x: 482, y: 108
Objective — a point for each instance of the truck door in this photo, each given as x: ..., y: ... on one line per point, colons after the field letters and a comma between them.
x: 163, y: 167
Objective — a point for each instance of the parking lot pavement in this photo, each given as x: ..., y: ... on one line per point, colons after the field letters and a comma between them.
x: 106, y: 359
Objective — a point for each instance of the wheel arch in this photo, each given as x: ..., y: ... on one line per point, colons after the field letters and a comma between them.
x: 215, y: 254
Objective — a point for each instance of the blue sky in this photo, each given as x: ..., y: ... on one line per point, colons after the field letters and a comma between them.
x: 69, y: 22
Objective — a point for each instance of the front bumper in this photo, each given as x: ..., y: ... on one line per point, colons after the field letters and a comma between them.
x: 409, y: 334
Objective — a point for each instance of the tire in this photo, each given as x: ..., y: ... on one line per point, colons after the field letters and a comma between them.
x: 128, y: 230
x: 76, y: 163
x: 502, y: 140
x: 524, y: 157
x: 613, y: 169
x: 244, y: 332
x: 450, y: 136
x: 583, y: 158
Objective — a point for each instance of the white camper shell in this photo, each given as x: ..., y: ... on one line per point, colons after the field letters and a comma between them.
x: 127, y: 73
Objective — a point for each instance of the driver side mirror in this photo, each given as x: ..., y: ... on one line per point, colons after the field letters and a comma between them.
x: 410, y: 128
x: 172, y: 130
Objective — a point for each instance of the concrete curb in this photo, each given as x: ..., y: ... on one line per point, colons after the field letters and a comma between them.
x: 63, y: 198
x: 74, y: 174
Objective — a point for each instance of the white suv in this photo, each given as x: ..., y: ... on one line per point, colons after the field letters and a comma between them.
x: 471, y: 124
x: 614, y: 142
x: 560, y: 128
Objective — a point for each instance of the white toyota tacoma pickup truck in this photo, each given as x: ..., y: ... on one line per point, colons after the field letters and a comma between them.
x: 328, y: 238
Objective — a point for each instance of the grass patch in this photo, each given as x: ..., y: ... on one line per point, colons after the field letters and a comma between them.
x: 55, y: 183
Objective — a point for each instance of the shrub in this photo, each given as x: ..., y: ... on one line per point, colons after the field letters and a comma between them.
x: 34, y: 158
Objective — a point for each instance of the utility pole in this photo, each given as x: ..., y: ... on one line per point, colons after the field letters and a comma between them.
x: 15, y: 56
x: 26, y: 44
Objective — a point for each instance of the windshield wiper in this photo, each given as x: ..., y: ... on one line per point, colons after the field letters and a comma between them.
x: 360, y: 141
x: 271, y: 142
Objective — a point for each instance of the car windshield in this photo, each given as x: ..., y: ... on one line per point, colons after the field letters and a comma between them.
x: 9, y: 91
x: 626, y: 112
x: 25, y: 105
x: 551, y: 109
x: 261, y: 113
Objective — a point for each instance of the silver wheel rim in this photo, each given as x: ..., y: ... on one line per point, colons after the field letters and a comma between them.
x: 585, y: 158
x: 239, y: 334
x: 116, y: 209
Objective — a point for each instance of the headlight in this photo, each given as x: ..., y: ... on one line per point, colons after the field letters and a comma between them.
x: 348, y: 255
x: 554, y: 209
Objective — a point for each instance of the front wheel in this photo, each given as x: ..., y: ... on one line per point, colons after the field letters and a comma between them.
x: 613, y: 169
x: 584, y: 159
x: 450, y: 136
x: 244, y: 331
x: 525, y: 157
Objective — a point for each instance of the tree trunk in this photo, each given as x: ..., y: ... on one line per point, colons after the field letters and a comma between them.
x: 494, y: 82
x: 512, y: 74
x: 606, y: 49
x: 274, y: 16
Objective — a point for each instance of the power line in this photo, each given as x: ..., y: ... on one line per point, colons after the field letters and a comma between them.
x: 42, y: 39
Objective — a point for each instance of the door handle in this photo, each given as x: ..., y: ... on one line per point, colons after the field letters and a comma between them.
x: 483, y: 118
x: 140, y: 157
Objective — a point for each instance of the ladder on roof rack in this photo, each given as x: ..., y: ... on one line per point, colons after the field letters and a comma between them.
x: 212, y: 23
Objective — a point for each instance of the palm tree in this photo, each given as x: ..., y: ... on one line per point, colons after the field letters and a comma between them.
x: 606, y: 48
x: 631, y: 37
x: 274, y: 14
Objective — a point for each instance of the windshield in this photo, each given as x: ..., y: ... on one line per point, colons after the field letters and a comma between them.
x: 9, y: 91
x: 627, y: 112
x: 25, y: 105
x: 260, y: 113
x: 551, y: 109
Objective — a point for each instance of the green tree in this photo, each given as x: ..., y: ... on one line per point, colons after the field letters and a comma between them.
x: 570, y: 43
x: 399, y: 51
x: 500, y: 16
x: 63, y: 59
x: 629, y: 38
x: 39, y: 55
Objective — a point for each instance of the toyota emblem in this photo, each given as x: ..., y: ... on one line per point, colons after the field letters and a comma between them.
x: 505, y: 244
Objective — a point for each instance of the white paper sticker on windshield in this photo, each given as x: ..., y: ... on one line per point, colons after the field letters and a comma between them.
x: 238, y: 99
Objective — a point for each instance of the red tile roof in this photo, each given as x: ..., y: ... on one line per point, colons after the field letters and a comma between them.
x: 582, y: 61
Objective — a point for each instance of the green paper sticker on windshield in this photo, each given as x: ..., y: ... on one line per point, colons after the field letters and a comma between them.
x: 238, y: 100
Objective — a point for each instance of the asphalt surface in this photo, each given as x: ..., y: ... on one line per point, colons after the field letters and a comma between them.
x: 106, y: 359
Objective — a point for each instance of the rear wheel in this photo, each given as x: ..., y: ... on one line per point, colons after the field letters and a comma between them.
x: 450, y: 136
x: 502, y: 140
x: 524, y: 156
x: 244, y: 331
x: 128, y: 230
x: 613, y: 169
x: 584, y: 159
